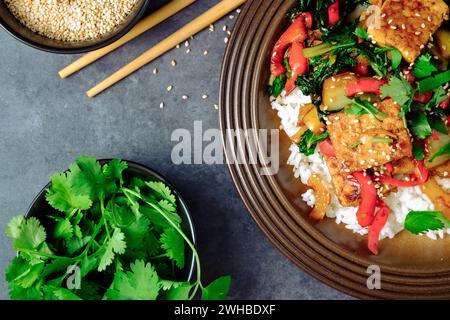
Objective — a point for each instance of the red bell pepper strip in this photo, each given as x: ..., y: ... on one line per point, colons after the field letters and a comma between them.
x: 309, y: 19
x: 444, y: 104
x: 326, y: 148
x: 423, y: 98
x: 418, y: 178
x: 333, y: 14
x: 295, y: 33
x: 369, y: 196
x: 364, y: 85
x: 298, y: 63
x: 377, y: 225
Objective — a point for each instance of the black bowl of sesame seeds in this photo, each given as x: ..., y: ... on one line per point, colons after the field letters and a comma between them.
x: 70, y: 26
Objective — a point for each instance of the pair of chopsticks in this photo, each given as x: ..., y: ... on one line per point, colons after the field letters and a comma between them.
x: 200, y: 23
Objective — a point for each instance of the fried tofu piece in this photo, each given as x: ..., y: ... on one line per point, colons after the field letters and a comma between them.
x: 408, y: 25
x: 345, y: 185
x: 353, y: 138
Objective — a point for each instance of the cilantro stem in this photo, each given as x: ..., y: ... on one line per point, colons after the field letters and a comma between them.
x: 43, y: 254
x: 102, y: 208
x: 190, y: 244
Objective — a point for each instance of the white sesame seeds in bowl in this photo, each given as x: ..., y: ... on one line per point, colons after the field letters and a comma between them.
x: 75, y: 26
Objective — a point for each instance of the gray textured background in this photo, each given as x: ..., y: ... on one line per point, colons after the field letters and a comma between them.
x: 45, y: 123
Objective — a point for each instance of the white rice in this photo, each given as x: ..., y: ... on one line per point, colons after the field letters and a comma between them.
x: 401, y: 202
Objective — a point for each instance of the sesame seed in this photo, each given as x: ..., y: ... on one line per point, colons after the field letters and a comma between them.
x: 231, y: 17
x: 205, y: 53
x: 188, y: 50
x: 155, y: 71
x: 169, y: 88
x: 204, y: 97
x: 184, y: 97
x: 211, y: 28
x: 225, y: 40
x: 238, y: 10
x: 161, y: 105
x: 186, y: 44
x: 216, y: 107
x: 224, y: 28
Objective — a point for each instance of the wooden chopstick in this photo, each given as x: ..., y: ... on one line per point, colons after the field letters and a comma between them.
x: 142, y: 26
x: 203, y: 21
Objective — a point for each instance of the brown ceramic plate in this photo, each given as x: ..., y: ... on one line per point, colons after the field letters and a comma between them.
x: 412, y: 267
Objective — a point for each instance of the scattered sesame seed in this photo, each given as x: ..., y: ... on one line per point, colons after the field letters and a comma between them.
x: 188, y: 50
x: 184, y: 97
x: 216, y: 107
x: 161, y: 105
x: 225, y: 40
x: 231, y: 17
x: 174, y: 63
x: 224, y: 28
x: 205, y: 53
x: 211, y: 28
x: 204, y: 97
x: 186, y: 44
x: 169, y: 88
x: 155, y: 71
x: 238, y: 10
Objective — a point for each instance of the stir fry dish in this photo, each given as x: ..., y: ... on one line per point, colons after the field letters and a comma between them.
x: 362, y: 90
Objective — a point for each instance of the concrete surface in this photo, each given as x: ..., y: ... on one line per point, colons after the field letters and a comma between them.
x: 45, y: 123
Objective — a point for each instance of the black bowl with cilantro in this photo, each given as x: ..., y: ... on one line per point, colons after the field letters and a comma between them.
x: 108, y: 229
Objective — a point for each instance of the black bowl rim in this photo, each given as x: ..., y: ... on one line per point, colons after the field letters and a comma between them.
x: 131, y: 164
x: 106, y: 42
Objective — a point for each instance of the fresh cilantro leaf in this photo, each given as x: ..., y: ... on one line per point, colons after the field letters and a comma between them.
x: 74, y: 244
x: 57, y: 293
x: 217, y: 290
x: 28, y: 235
x: 61, y: 195
x: 361, y: 33
x: 442, y: 151
x: 398, y: 89
x: 173, y: 243
x: 88, y: 264
x: 396, y: 58
x: 277, y: 86
x: 420, y: 127
x: 162, y: 190
x: 141, y: 283
x: 14, y: 227
x: 439, y: 95
x: 309, y: 140
x: 361, y: 107
x: 114, y: 170
x: 63, y: 229
x: 86, y: 177
x: 17, y: 292
x: 22, y: 273
x: 181, y: 292
x: 418, y: 151
x: 423, y: 67
x: 434, y: 82
x: 419, y: 222
x: 116, y: 245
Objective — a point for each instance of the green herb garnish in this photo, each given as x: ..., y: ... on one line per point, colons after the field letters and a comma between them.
x: 419, y: 222
x: 124, y: 235
x: 420, y: 127
x: 361, y: 107
x: 382, y: 140
x: 309, y: 140
x: 423, y: 67
x: 434, y: 82
x: 277, y: 86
